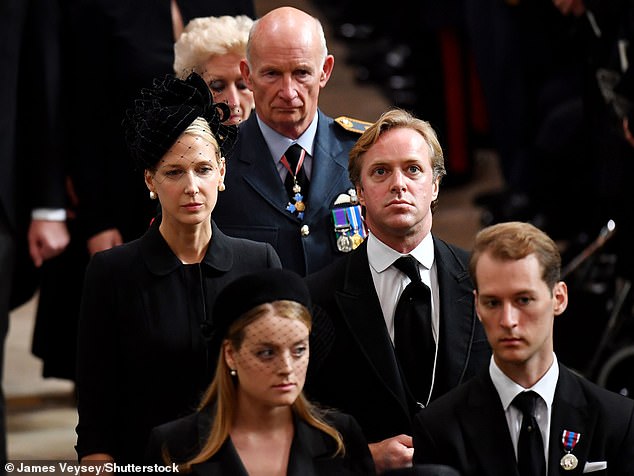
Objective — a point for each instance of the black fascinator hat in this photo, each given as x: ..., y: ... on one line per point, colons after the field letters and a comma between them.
x: 264, y: 286
x: 259, y: 287
x: 161, y: 114
x: 251, y: 290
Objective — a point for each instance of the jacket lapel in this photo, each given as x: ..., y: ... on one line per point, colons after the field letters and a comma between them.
x: 226, y: 461
x: 486, y: 428
x: 262, y: 175
x: 457, y: 319
x: 309, y: 455
x: 360, y: 308
x: 308, y: 451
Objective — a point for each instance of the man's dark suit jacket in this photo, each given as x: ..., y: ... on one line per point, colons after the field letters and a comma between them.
x: 467, y: 429
x: 254, y: 204
x: 360, y: 375
x: 31, y: 159
x: 311, y: 449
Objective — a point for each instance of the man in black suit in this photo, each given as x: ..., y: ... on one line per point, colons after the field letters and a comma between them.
x: 396, y: 166
x: 31, y: 200
x: 287, y: 64
x: 477, y: 427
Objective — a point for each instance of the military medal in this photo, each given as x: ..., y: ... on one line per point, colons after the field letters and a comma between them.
x: 348, y: 221
x: 298, y: 206
x: 569, y: 462
x: 569, y: 440
x: 299, y: 202
x: 342, y: 227
x: 356, y: 240
x: 356, y: 222
x: 344, y: 243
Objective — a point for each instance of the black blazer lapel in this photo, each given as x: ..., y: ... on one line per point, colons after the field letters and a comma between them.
x: 572, y: 412
x: 225, y: 462
x: 360, y: 308
x: 308, y: 451
x: 485, y: 427
x: 457, y: 319
x: 309, y: 456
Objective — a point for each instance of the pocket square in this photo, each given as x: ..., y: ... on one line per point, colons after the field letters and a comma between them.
x: 595, y: 466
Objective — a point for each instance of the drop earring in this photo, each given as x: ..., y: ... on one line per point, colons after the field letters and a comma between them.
x: 233, y: 372
x: 152, y: 195
x: 221, y: 187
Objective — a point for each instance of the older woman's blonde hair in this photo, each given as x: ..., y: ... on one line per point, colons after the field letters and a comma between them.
x: 210, y: 36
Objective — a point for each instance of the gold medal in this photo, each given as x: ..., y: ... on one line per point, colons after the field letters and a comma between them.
x: 357, y: 239
x: 569, y: 462
x: 300, y: 206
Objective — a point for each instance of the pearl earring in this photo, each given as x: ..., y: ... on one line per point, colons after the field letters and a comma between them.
x: 221, y: 187
x: 233, y: 372
x: 152, y: 195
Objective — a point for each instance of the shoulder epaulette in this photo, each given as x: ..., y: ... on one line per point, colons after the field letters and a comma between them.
x: 353, y: 125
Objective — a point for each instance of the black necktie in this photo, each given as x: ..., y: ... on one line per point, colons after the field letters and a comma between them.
x: 530, y: 447
x: 292, y: 154
x: 413, y: 338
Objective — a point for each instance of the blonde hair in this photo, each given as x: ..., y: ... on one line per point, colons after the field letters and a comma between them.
x: 200, y: 128
x: 210, y: 36
x: 220, y: 396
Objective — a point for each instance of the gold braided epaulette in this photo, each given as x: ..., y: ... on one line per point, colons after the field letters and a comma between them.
x: 352, y: 125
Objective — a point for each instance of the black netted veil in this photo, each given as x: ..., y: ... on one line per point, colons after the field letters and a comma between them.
x: 161, y: 114
x: 268, y: 285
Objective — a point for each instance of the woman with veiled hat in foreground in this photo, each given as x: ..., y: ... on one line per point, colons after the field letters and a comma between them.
x: 146, y: 306
x: 254, y: 419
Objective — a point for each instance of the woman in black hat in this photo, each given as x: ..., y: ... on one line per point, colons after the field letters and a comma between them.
x: 146, y: 306
x: 254, y: 418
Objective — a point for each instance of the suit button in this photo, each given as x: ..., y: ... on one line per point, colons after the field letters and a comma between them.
x: 304, y: 230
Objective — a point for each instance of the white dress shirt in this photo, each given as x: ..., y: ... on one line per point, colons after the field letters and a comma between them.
x: 390, y: 282
x: 508, y: 389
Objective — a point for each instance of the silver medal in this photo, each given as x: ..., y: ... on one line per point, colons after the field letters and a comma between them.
x: 344, y: 243
x: 569, y: 462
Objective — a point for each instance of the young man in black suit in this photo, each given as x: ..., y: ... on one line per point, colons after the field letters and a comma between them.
x: 479, y: 428
x: 396, y: 165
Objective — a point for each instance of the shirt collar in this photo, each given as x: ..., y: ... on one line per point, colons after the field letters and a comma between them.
x: 278, y: 143
x: 382, y: 256
x: 508, y: 389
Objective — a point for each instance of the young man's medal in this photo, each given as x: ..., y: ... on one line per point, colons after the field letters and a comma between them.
x: 569, y: 440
